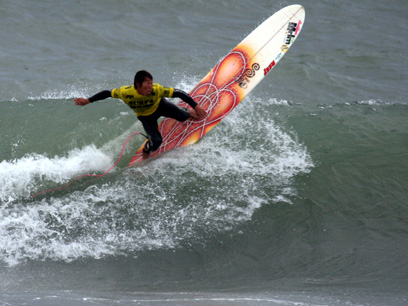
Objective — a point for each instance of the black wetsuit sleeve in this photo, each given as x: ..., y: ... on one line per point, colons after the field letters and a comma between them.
x: 100, y: 96
x: 177, y: 93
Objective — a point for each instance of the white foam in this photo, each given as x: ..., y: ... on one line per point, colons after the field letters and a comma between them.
x: 59, y: 94
x: 274, y: 101
x: 82, y: 225
x: 70, y: 92
x: 270, y: 151
x: 371, y: 102
x: 18, y: 178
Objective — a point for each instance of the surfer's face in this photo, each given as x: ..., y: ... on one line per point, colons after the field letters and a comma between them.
x: 146, y: 88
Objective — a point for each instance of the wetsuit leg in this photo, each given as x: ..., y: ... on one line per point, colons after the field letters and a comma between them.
x: 165, y: 109
x: 152, y: 130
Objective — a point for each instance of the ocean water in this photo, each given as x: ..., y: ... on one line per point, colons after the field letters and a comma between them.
x: 298, y: 197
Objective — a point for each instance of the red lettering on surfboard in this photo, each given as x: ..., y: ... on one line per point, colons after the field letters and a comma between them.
x: 298, y: 27
x: 269, y: 68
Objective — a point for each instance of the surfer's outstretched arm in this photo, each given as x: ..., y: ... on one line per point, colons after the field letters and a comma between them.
x: 99, y: 96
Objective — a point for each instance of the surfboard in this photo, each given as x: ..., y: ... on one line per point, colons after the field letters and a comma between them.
x: 234, y: 77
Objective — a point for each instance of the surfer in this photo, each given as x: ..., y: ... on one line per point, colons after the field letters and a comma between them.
x: 148, y: 101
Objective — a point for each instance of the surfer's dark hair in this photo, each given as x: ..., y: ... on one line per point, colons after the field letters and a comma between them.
x: 140, y: 76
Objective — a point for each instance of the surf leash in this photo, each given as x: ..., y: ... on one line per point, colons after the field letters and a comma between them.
x: 91, y: 175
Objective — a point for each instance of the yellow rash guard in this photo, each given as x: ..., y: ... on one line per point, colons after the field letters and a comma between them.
x: 142, y: 105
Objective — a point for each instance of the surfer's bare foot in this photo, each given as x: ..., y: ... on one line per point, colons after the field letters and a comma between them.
x: 145, y: 155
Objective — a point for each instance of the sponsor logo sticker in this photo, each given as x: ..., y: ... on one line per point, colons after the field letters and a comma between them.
x: 269, y: 68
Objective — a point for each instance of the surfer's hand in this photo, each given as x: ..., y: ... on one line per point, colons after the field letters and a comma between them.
x: 200, y: 112
x: 81, y: 101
